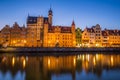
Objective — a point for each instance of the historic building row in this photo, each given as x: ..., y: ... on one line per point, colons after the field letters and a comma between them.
x: 13, y: 36
x: 41, y: 33
x: 95, y: 37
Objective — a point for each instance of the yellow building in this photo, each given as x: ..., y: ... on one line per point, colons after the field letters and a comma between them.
x: 88, y: 37
x: 105, y: 39
x: 113, y: 37
x: 41, y: 33
x: 13, y: 36
x: 17, y: 35
x: 35, y: 31
x: 98, y: 35
x: 92, y: 37
x: 5, y: 35
x: 85, y: 37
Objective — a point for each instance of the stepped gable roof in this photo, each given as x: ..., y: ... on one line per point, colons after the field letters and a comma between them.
x: 31, y: 20
x: 5, y: 29
x: 91, y: 30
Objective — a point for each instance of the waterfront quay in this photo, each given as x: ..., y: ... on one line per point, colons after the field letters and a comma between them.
x: 56, y: 49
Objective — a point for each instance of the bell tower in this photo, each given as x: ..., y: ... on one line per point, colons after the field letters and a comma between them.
x: 50, y: 14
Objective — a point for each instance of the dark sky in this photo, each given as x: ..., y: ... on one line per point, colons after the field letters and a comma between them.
x: 83, y: 12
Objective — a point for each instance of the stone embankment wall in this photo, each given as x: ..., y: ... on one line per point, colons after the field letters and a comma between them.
x: 39, y: 50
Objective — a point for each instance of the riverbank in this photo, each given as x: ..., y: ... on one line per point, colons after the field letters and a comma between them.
x: 51, y: 50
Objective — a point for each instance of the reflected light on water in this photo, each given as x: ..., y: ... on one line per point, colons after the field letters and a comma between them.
x: 48, y: 62
x: 13, y: 61
x: 24, y: 63
x: 88, y: 57
x: 111, y: 59
x: 83, y: 57
x: 94, y: 61
x: 44, y: 67
x: 74, y: 61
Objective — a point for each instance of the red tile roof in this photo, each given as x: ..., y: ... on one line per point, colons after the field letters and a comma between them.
x: 64, y: 29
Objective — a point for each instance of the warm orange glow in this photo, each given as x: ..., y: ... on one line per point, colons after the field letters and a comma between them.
x: 74, y: 61
x: 24, y: 63
x: 97, y: 45
x: 112, y: 62
x: 49, y: 42
x: 94, y: 61
x: 24, y: 41
x: 83, y: 57
x: 48, y: 62
x: 13, y: 61
x: 88, y: 57
x: 97, y: 56
x: 74, y: 42
x: 14, y: 41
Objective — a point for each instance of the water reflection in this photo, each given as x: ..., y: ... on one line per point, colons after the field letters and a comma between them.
x: 71, y: 67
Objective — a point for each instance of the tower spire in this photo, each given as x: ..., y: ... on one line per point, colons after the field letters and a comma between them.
x: 50, y: 14
x: 73, y: 23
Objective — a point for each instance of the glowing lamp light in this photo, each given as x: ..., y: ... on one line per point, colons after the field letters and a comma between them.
x: 24, y: 41
x: 97, y: 45
x: 14, y: 41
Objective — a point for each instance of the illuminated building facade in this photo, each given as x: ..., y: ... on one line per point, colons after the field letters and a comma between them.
x: 13, y: 36
x: 18, y: 35
x: 98, y: 35
x: 78, y: 37
x: 92, y: 37
x: 113, y: 37
x: 5, y: 35
x: 88, y: 37
x: 41, y: 33
x: 105, y: 39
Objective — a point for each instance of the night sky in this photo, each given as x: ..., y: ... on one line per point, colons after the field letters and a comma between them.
x: 83, y: 12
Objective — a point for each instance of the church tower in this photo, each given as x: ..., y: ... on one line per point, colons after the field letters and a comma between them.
x: 73, y: 27
x: 50, y: 14
x: 73, y: 33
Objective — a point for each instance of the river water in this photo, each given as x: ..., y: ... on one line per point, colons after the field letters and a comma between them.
x: 61, y: 67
